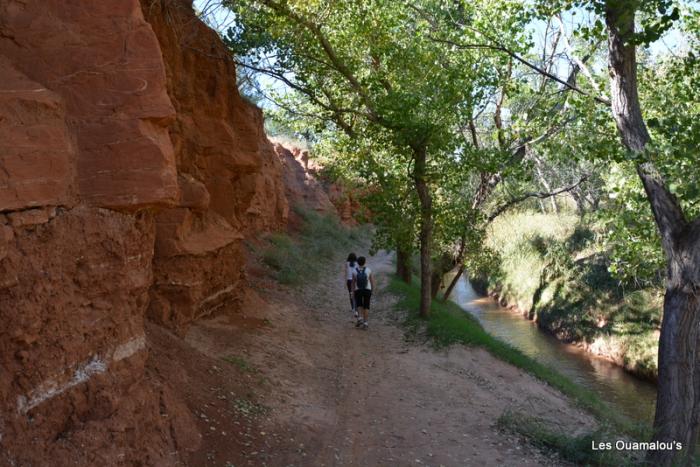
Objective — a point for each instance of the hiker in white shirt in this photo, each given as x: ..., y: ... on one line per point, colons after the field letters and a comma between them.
x: 348, y: 269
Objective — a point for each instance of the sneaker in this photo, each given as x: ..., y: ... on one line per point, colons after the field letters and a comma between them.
x: 359, y: 323
x: 355, y: 314
x: 365, y: 325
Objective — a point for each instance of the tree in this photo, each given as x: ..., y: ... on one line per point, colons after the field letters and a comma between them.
x: 385, y: 191
x: 535, y: 108
x: 678, y: 401
x: 372, y: 69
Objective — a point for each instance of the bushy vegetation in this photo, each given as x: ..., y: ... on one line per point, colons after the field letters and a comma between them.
x: 320, y: 238
x: 555, y: 269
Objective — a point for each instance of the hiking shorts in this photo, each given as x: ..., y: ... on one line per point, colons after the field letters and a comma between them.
x: 362, y: 297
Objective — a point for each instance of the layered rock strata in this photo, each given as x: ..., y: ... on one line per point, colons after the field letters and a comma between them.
x: 130, y: 172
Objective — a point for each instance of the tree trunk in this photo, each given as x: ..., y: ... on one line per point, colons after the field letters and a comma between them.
x: 426, y: 228
x: 677, y: 410
x: 403, y: 265
x: 441, y: 267
x: 455, y: 279
x: 678, y: 392
x: 435, y: 283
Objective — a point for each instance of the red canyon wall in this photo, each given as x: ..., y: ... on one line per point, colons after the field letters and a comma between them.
x: 230, y: 180
x: 301, y: 185
x: 130, y: 172
x: 304, y: 185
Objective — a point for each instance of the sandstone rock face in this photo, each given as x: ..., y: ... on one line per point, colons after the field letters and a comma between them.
x: 36, y: 150
x: 347, y: 202
x: 103, y: 60
x: 301, y: 185
x: 229, y: 178
x: 72, y: 347
x: 305, y: 186
x: 84, y: 117
x: 130, y: 172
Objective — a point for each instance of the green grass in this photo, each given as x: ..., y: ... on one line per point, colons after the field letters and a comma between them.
x: 575, y: 449
x: 448, y: 324
x: 519, y: 239
x: 320, y: 238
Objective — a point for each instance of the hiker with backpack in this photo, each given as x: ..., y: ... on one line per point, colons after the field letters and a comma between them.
x: 348, y: 269
x: 362, y: 284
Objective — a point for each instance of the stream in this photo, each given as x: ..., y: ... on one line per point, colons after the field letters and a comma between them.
x: 633, y: 397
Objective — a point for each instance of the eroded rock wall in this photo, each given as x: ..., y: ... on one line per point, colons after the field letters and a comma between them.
x: 84, y: 148
x: 230, y: 180
x: 130, y: 173
x: 301, y: 185
x: 305, y: 186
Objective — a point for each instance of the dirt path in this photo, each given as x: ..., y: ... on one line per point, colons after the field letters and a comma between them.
x: 339, y: 396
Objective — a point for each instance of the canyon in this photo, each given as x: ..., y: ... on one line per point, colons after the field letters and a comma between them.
x: 132, y: 172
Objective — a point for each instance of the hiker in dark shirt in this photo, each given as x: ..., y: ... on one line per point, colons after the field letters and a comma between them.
x: 362, y: 284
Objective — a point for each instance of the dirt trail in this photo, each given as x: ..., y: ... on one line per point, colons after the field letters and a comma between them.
x: 340, y: 396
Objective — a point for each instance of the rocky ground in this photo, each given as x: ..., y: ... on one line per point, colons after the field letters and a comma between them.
x: 291, y: 381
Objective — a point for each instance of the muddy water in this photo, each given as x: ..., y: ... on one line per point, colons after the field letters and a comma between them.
x: 622, y: 391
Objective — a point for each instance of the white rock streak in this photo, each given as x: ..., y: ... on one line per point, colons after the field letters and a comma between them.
x: 55, y: 386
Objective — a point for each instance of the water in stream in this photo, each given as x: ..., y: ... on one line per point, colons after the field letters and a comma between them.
x: 633, y: 397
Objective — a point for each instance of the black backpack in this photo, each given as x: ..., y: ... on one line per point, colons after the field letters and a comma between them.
x: 361, y: 278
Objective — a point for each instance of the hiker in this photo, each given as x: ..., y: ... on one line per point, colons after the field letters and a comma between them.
x: 348, y: 269
x: 362, y: 284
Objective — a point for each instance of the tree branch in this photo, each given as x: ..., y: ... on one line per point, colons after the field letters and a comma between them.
x: 580, y: 63
x: 541, y: 195
x: 513, y: 55
x: 338, y: 64
x: 336, y: 111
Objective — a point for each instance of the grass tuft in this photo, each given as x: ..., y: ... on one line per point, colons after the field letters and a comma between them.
x: 575, y: 449
x: 300, y: 259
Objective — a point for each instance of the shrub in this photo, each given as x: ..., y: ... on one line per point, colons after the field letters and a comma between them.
x: 553, y: 268
x: 321, y: 238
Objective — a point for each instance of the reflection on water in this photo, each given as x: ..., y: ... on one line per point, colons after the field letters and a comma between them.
x: 634, y: 397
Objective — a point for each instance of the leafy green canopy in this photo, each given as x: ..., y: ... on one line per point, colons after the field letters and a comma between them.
x: 359, y: 62
x: 670, y: 95
x: 378, y: 79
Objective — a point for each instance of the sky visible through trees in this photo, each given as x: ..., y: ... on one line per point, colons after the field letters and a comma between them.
x: 221, y: 18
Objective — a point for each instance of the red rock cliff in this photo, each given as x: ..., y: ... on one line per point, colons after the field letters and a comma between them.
x: 305, y: 186
x: 130, y: 171
x: 229, y: 178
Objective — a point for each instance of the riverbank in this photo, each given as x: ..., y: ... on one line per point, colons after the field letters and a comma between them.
x: 327, y: 393
x: 612, y: 348
x: 554, y: 272
x: 449, y: 326
x: 336, y: 395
